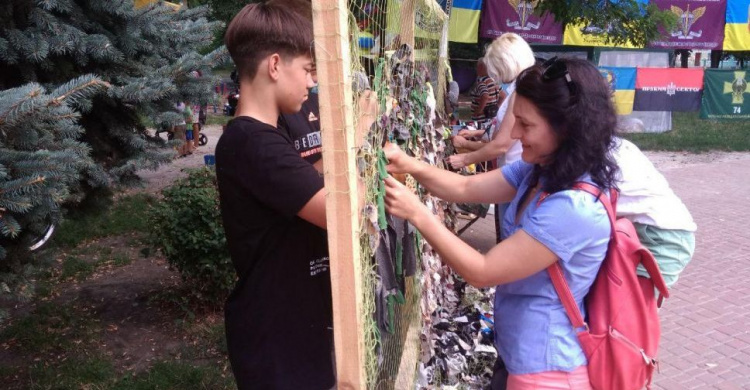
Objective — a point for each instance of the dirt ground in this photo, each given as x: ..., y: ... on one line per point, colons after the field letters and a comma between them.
x: 131, y: 310
x: 156, y: 180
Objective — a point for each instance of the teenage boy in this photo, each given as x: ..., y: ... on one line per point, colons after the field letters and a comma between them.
x: 278, y: 318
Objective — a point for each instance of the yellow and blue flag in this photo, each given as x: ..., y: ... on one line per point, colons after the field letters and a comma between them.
x: 737, y: 28
x: 622, y: 83
x: 464, y: 21
x: 589, y: 35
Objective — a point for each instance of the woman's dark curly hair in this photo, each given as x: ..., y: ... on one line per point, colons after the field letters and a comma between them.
x: 581, y: 113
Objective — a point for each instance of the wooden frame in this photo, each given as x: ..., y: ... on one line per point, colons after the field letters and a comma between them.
x: 339, y: 164
x: 332, y: 47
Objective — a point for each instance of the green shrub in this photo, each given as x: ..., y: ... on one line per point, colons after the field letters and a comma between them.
x: 186, y: 226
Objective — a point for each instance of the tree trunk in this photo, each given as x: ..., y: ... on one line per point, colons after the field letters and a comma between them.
x: 684, y: 56
x: 716, y: 58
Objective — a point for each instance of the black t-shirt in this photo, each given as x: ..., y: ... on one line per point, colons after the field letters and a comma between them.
x: 304, y: 129
x: 278, y: 318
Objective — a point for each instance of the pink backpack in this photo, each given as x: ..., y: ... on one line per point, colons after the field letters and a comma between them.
x: 621, y: 337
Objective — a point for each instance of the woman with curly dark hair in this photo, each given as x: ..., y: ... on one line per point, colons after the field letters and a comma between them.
x: 566, y: 123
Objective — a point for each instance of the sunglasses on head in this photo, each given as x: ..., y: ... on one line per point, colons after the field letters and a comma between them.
x: 553, y: 69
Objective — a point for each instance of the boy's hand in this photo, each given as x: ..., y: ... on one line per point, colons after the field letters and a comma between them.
x: 400, y: 201
x: 398, y: 161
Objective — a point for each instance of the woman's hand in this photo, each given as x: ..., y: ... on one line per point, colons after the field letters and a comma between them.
x: 398, y: 161
x: 459, y: 141
x: 457, y: 161
x: 466, y: 133
x: 400, y: 201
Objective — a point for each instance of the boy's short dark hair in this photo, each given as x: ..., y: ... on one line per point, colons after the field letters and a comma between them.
x: 261, y: 29
x: 302, y: 7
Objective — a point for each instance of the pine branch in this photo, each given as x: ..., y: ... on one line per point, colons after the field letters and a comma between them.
x: 83, y: 87
x: 34, y: 91
x: 9, y: 227
x: 20, y: 185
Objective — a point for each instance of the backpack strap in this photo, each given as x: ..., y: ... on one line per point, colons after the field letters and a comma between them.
x: 566, y: 297
x: 647, y: 258
x: 556, y: 271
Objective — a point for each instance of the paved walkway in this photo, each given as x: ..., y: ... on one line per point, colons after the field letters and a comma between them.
x: 706, y: 324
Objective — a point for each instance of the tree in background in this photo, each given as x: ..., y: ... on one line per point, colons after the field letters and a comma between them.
x: 634, y: 21
x: 223, y: 11
x: 77, y: 78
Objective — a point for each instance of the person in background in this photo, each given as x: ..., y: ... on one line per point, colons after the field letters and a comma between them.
x: 180, y: 131
x: 189, y: 130
x: 663, y: 223
x: 303, y: 128
x: 485, y: 95
x: 195, y: 121
x: 506, y: 57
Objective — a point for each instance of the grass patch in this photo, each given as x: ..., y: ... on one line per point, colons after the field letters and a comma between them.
x: 104, y: 252
x: 51, y: 327
x: 73, y: 267
x: 121, y: 259
x: 692, y: 134
x: 178, y: 375
x: 43, y: 288
x: 217, y: 120
x: 94, y: 373
x: 210, y: 341
x: 100, y: 374
x: 129, y: 214
x: 217, y: 337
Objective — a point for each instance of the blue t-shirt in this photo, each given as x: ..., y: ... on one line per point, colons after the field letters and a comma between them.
x: 532, y: 331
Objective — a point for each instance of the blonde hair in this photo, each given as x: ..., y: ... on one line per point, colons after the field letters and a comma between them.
x: 507, y: 56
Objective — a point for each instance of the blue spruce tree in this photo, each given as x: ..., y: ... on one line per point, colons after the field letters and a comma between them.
x: 77, y: 77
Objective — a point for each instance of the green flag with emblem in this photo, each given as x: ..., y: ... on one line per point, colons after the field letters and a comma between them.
x: 725, y: 95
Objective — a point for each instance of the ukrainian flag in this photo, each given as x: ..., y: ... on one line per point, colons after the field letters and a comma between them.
x: 589, y: 35
x: 464, y: 21
x: 622, y: 83
x: 737, y: 28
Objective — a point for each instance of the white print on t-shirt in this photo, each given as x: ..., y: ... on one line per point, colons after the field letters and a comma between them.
x: 319, y: 265
x: 309, y: 141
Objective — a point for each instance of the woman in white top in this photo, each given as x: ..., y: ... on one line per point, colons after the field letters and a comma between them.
x: 663, y: 223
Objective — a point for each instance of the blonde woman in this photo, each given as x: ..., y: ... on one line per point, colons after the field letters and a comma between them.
x: 506, y: 57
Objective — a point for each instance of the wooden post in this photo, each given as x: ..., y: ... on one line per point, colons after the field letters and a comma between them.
x: 408, y: 16
x: 339, y: 164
